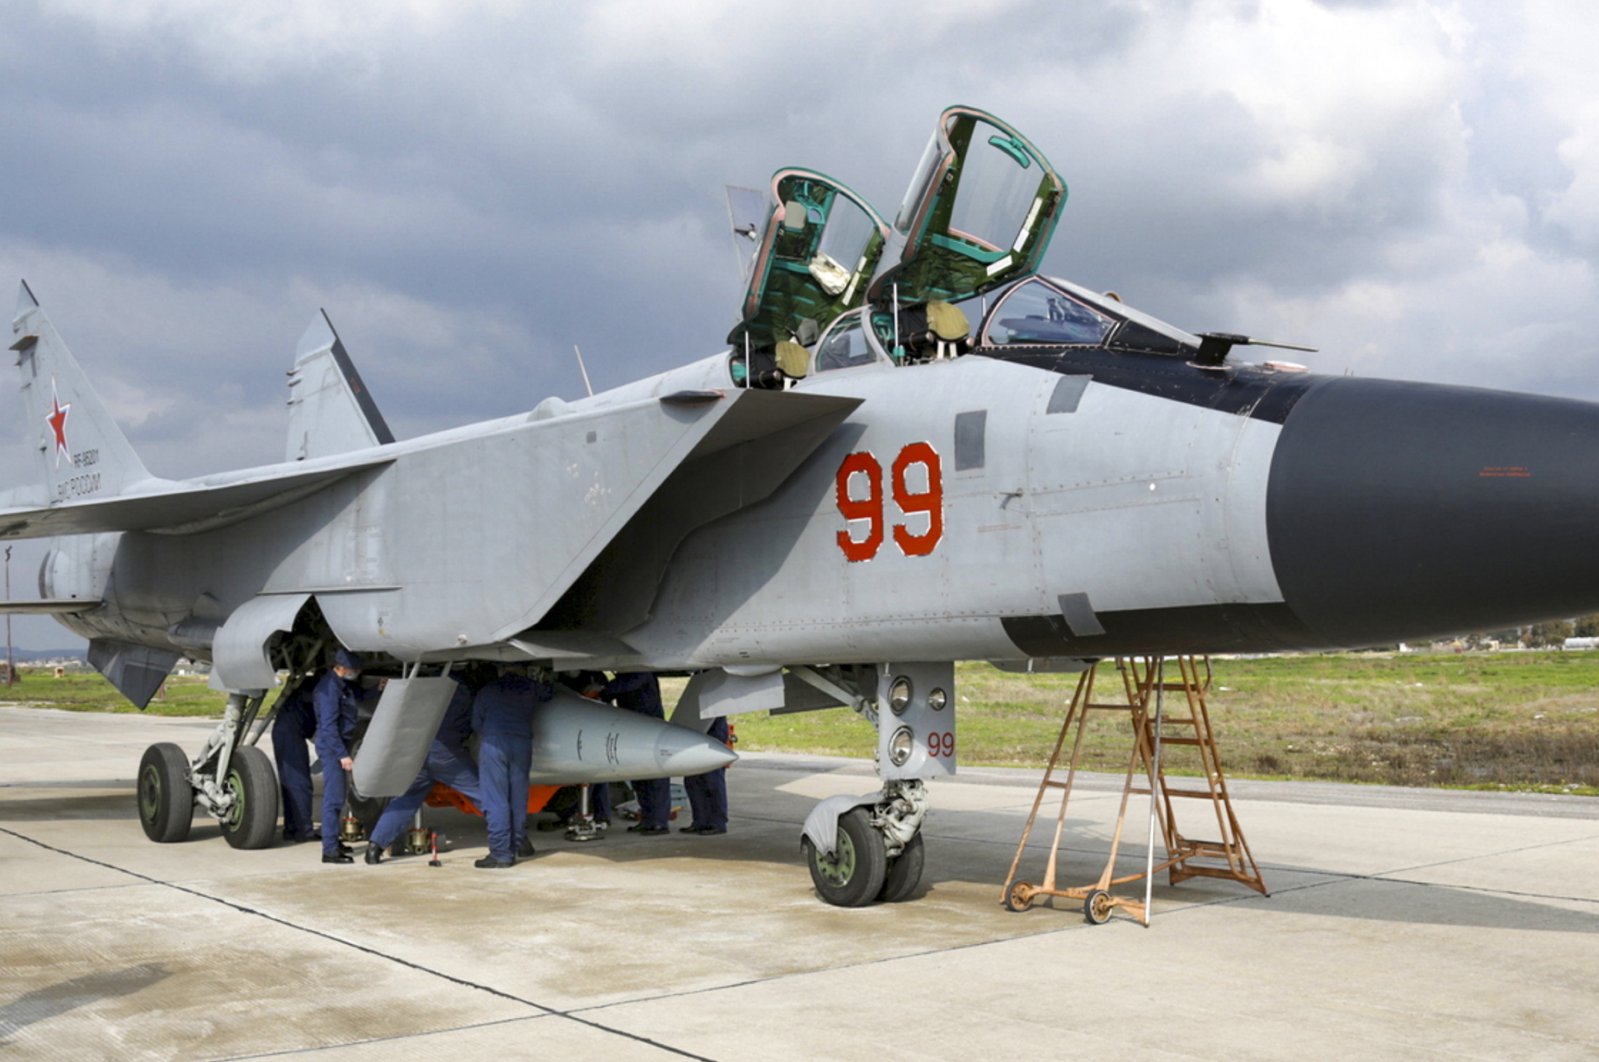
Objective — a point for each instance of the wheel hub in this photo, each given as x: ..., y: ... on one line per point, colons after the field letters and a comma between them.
x: 149, y: 793
x: 841, y: 868
x: 233, y: 794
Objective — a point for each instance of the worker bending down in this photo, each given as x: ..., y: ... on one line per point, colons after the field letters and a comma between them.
x: 502, y: 716
x: 448, y: 761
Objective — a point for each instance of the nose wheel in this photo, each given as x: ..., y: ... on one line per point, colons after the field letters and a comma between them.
x: 854, y: 874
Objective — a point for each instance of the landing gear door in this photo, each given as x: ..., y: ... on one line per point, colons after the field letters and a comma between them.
x: 915, y: 720
x: 818, y: 249
x: 979, y: 213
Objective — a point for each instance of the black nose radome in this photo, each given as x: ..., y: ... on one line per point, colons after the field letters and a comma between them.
x: 1402, y: 510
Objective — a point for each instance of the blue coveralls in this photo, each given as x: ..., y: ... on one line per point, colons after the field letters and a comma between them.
x: 640, y: 691
x: 502, y: 715
x: 707, y: 793
x: 294, y: 726
x: 581, y: 682
x: 448, y: 761
x: 338, y: 705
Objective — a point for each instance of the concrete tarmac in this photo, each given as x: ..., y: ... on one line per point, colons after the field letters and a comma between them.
x: 1400, y: 925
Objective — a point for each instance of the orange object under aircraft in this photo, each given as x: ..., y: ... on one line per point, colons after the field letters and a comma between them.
x: 442, y: 796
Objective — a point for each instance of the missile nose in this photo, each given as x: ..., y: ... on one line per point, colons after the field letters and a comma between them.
x: 679, y: 751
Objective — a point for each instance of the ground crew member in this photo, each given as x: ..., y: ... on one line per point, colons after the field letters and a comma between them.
x: 640, y: 691
x: 337, y: 701
x: 295, y: 725
x: 502, y: 716
x: 707, y: 793
x: 448, y: 761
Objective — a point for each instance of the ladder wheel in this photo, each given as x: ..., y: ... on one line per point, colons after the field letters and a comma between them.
x: 1097, y: 907
x: 1019, y: 897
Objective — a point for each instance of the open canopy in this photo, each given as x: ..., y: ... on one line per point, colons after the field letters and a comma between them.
x: 979, y: 213
x: 819, y: 246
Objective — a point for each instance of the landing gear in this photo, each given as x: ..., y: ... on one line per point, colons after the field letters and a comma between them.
x: 854, y: 874
x: 904, y: 873
x: 166, y: 800
x: 230, y: 779
x: 251, y: 817
x: 870, y: 848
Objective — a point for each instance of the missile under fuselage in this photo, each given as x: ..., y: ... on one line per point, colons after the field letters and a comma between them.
x: 578, y: 740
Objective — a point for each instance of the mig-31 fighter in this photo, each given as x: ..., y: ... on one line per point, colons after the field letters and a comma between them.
x: 915, y: 450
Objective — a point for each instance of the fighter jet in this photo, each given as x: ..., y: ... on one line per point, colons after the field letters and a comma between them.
x: 914, y: 450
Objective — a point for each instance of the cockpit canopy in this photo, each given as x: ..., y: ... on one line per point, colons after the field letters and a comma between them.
x: 979, y: 213
x: 819, y: 245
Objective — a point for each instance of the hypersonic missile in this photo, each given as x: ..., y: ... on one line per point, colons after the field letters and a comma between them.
x: 579, y: 740
x: 574, y: 740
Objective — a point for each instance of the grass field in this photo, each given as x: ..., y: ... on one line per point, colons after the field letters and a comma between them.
x: 1515, y: 720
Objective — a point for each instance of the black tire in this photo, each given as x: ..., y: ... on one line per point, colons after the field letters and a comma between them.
x: 904, y: 873
x: 166, y: 799
x: 252, y: 820
x: 1097, y: 907
x: 854, y: 876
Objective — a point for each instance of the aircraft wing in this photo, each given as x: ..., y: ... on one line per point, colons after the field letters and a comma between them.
x: 48, y: 606
x: 182, y: 507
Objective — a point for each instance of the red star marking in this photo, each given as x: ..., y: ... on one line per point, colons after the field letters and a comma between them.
x: 57, y: 419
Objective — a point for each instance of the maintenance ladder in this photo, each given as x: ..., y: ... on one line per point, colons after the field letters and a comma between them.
x: 1144, y: 689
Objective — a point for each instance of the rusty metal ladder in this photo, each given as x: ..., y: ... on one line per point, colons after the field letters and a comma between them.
x: 1143, y: 685
x: 1228, y: 857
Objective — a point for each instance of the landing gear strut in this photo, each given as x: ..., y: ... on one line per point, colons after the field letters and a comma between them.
x: 866, y: 849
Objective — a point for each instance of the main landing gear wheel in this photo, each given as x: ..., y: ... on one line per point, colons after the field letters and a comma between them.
x: 904, y: 873
x: 166, y: 799
x: 1097, y: 907
x: 252, y: 819
x: 854, y: 876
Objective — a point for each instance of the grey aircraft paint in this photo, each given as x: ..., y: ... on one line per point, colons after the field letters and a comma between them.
x: 820, y: 525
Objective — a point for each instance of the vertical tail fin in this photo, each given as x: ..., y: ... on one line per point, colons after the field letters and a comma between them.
x: 82, y: 452
x: 330, y: 409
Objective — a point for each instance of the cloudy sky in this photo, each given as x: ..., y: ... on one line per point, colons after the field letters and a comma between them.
x: 470, y: 188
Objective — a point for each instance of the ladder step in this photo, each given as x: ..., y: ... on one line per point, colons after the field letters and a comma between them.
x: 1164, y: 740
x: 1194, y: 794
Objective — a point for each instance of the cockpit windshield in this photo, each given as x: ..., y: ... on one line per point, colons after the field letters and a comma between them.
x: 1039, y: 312
x: 845, y: 345
x: 1053, y: 312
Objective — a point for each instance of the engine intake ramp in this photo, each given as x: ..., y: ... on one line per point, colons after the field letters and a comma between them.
x: 1144, y: 687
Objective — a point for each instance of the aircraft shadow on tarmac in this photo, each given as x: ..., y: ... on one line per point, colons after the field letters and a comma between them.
x: 41, y: 1004
x: 112, y: 801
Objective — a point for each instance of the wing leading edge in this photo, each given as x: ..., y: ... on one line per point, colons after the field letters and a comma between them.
x: 180, y: 508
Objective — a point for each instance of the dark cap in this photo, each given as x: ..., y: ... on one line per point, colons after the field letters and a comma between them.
x: 345, y: 658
